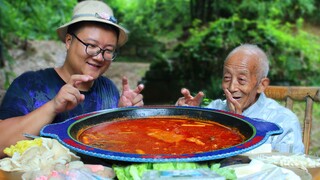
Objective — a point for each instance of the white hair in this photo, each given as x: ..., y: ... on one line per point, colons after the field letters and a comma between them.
x: 252, y: 49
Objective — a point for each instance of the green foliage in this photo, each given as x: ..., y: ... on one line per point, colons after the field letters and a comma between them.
x: 152, y: 24
x: 197, y: 61
x: 158, y: 25
x: 284, y: 10
x: 33, y: 19
x: 314, y: 17
x: 294, y: 54
x: 29, y: 20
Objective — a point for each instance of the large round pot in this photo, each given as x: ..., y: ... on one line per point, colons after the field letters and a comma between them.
x: 256, y: 132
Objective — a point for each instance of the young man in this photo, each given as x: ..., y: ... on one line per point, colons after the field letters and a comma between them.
x: 52, y: 95
x: 244, y: 81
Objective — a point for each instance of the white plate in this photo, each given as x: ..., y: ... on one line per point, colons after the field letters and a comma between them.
x: 247, y: 171
x: 298, y: 167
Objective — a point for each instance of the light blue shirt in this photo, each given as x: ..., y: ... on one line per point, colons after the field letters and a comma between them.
x: 270, y: 110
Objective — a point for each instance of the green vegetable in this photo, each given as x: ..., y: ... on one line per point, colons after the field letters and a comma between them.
x: 135, y: 171
x: 163, y: 166
x: 225, y: 172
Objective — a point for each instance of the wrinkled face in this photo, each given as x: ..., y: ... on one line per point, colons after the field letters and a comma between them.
x: 240, y: 78
x: 78, y: 61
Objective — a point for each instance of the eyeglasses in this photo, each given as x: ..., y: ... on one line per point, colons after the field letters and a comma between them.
x: 93, y: 50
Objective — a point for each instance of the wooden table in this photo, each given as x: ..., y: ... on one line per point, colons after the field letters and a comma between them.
x: 315, y: 173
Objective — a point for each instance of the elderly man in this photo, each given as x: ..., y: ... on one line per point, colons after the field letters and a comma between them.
x: 244, y: 81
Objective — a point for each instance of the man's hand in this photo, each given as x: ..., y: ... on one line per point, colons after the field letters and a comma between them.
x: 69, y: 96
x: 234, y: 105
x: 188, y: 100
x: 130, y: 97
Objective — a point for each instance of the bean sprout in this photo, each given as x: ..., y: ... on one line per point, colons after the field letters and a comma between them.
x: 298, y: 161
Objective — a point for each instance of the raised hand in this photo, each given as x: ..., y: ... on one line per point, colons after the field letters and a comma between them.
x: 130, y: 97
x: 188, y: 100
x: 69, y: 96
x: 234, y: 105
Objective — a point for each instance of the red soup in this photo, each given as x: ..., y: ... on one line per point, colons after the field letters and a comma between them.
x: 160, y: 135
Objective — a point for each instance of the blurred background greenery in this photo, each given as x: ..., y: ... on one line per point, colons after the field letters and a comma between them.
x: 186, y: 41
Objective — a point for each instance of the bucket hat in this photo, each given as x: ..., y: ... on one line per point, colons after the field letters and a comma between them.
x: 93, y: 10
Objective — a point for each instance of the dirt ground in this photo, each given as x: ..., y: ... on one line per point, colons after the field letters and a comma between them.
x: 43, y: 54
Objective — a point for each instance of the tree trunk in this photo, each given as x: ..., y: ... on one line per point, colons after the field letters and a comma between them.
x: 202, y: 9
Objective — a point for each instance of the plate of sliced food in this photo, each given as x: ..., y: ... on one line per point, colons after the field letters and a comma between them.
x: 302, y: 164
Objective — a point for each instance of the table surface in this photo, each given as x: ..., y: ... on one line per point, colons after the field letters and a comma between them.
x: 315, y: 172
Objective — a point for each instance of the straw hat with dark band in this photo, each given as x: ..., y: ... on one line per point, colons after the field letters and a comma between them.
x: 92, y: 10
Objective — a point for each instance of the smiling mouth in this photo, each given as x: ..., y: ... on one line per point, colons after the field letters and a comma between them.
x: 97, y: 66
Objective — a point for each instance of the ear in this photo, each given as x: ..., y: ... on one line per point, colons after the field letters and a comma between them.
x: 68, y: 40
x: 264, y: 83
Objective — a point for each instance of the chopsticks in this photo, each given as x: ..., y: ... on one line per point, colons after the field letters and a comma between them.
x: 30, y: 136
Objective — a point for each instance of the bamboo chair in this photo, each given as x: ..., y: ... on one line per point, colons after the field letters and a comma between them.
x: 289, y: 94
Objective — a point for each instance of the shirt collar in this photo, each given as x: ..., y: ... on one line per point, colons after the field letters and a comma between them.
x: 257, y: 105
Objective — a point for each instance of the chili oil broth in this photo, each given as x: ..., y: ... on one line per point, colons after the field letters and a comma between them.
x: 161, y: 136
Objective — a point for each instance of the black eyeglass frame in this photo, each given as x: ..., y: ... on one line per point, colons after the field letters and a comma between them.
x: 102, y: 51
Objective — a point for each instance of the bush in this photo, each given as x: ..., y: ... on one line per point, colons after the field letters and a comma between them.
x: 33, y: 19
x: 198, y: 62
x: 152, y: 25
